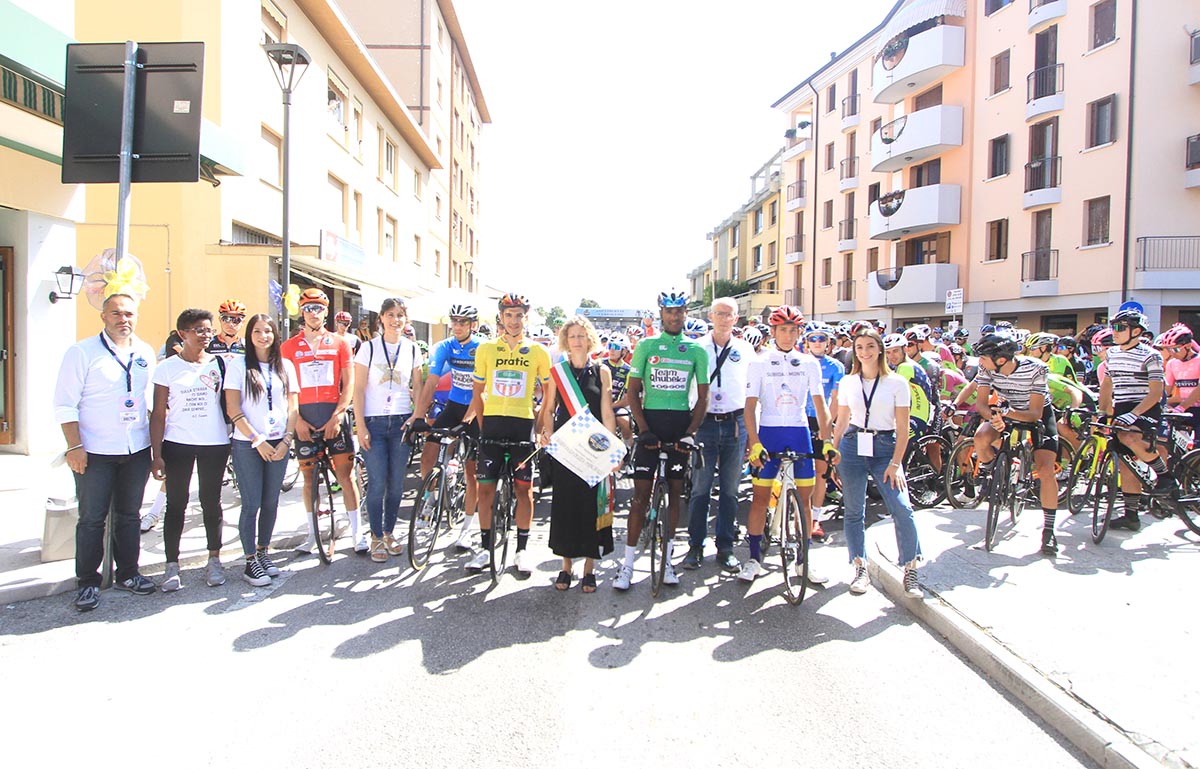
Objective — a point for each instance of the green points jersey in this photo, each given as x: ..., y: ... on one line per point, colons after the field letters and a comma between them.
x: 667, y: 365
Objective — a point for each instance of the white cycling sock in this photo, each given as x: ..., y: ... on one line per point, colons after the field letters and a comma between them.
x: 466, y: 525
x: 670, y: 550
x: 630, y: 555
x: 160, y: 504
x: 355, y: 523
x: 816, y: 514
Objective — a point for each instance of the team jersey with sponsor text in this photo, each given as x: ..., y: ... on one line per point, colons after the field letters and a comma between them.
x: 457, y: 359
x: 510, y: 376
x: 667, y: 364
x: 783, y: 382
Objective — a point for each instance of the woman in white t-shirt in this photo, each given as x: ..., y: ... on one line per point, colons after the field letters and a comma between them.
x: 872, y: 401
x: 386, y: 369
x: 261, y: 392
x: 188, y: 430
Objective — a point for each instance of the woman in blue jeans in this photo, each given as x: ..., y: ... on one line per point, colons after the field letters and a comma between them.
x: 261, y: 392
x: 386, y: 369
x: 872, y: 402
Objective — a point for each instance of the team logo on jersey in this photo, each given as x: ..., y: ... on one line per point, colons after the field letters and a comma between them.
x: 524, y: 350
x: 794, y: 361
x: 508, y: 384
x: 774, y: 361
x: 653, y: 360
x: 140, y: 361
x: 683, y: 348
x: 598, y: 442
x: 735, y: 356
x: 662, y: 348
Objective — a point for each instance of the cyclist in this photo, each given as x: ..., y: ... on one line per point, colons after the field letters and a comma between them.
x: 1022, y: 382
x: 484, y: 331
x: 781, y: 383
x: 660, y: 379
x: 817, y: 339
x: 1042, y: 346
x: 454, y: 356
x: 508, y: 370
x: 343, y: 320
x: 1066, y: 393
x: 618, y: 367
x: 920, y: 408
x: 1183, y: 372
x: 1131, y: 393
x: 325, y: 368
x: 228, y: 342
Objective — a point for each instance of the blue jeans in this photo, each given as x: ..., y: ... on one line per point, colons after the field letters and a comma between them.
x: 854, y: 470
x: 387, y: 460
x: 259, y: 483
x: 117, y: 481
x: 724, y: 449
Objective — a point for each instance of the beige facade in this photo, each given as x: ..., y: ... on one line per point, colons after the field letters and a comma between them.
x: 1012, y: 160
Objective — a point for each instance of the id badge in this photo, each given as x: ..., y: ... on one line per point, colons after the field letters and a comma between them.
x: 274, y: 428
x: 866, y: 444
x: 129, y: 417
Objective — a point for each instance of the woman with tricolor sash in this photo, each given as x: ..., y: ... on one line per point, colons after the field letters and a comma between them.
x: 580, y: 515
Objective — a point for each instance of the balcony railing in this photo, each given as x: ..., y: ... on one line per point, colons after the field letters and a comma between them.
x: 1043, y: 174
x: 1168, y: 253
x: 1195, y: 59
x: 850, y: 106
x: 891, y: 132
x: 793, y: 244
x: 1038, y: 3
x: 849, y: 168
x: 1039, y: 264
x: 794, y: 297
x: 796, y: 190
x: 847, y: 229
x: 1193, y: 152
x: 845, y: 291
x: 796, y: 135
x: 1044, y: 81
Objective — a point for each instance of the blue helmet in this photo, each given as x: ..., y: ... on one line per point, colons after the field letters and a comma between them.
x: 672, y: 298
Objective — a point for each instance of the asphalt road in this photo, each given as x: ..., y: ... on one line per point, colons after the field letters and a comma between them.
x: 373, y: 665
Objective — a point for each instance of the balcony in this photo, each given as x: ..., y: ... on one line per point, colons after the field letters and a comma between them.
x: 1043, y: 182
x: 916, y: 137
x: 1194, y: 59
x: 1044, y: 91
x: 752, y: 303
x: 797, y: 196
x: 797, y: 141
x: 1043, y: 12
x: 908, y: 64
x: 847, y: 235
x: 912, y: 284
x: 794, y: 297
x: 1039, y: 272
x: 1167, y: 263
x: 848, y: 175
x: 793, y: 249
x: 850, y: 112
x: 1191, y: 172
x: 921, y: 209
x: 845, y: 296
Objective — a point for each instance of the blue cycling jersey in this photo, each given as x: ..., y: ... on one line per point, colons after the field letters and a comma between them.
x: 458, y: 358
x: 832, y: 372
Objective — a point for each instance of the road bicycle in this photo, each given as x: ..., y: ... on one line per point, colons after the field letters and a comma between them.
x: 924, y: 466
x: 656, y: 526
x: 440, y: 502
x: 504, y: 508
x: 792, y: 524
x: 324, y: 486
x: 1012, y: 476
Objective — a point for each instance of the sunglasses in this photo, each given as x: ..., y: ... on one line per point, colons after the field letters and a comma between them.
x: 232, y: 318
x: 1120, y: 326
x: 613, y: 346
x: 313, y: 308
x: 202, y: 331
x: 818, y: 338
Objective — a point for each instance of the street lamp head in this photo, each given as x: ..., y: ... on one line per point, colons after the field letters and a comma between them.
x: 290, y: 61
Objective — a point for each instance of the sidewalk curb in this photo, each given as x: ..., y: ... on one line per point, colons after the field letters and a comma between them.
x: 1080, y: 725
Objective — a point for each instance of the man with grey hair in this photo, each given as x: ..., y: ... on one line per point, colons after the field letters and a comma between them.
x: 723, y: 435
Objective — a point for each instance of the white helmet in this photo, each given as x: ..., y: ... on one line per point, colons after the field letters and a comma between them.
x: 541, y: 334
x: 892, y: 341
x: 752, y: 336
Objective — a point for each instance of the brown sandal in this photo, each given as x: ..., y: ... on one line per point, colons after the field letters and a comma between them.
x: 564, y: 581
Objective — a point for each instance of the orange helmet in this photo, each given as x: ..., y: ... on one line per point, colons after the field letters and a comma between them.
x: 231, y: 307
x: 313, y: 296
x: 785, y: 314
x: 513, y: 300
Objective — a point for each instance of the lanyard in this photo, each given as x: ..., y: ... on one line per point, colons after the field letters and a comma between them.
x: 721, y: 355
x: 270, y: 395
x: 391, y: 364
x: 128, y: 367
x: 867, y: 400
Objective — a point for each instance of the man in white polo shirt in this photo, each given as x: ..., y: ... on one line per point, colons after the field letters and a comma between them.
x: 723, y: 435
x: 101, y: 401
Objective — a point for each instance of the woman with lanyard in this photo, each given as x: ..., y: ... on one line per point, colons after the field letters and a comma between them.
x: 261, y: 392
x: 385, y: 370
x: 873, y: 402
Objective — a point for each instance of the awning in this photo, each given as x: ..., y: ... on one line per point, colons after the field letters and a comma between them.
x: 220, y: 150
x: 917, y: 12
x: 369, y: 286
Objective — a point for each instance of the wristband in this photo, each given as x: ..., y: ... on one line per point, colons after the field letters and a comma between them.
x: 77, y: 446
x: 235, y: 419
x: 259, y: 440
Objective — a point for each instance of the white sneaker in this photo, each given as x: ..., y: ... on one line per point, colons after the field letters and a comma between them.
x: 912, y: 587
x: 815, y: 577
x: 624, y: 578
x: 149, y: 521
x: 669, y: 575
x: 308, y: 548
x: 750, y: 570
x: 463, y: 543
x: 524, y: 562
x: 171, y: 581
x: 214, y: 572
x: 861, y: 580
x: 362, y: 545
x: 481, y: 561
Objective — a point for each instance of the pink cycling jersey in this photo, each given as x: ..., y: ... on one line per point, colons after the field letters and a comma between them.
x: 1183, y: 374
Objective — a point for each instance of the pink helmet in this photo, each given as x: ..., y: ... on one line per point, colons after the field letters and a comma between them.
x: 1102, y: 338
x: 1175, y: 336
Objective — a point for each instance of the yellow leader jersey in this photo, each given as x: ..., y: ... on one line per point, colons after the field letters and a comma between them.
x: 509, y: 376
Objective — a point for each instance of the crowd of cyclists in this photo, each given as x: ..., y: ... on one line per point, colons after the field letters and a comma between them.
x: 710, y: 397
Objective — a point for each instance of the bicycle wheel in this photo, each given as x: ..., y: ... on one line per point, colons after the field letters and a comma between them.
x: 1020, y: 482
x: 926, y: 487
x: 793, y: 547
x: 1083, y: 463
x: 997, y: 498
x: 1062, y: 469
x: 657, y: 543
x: 1188, y: 504
x: 501, y: 523
x: 1102, y: 494
x: 961, y: 477
x: 292, y: 474
x: 425, y: 523
x: 322, y: 513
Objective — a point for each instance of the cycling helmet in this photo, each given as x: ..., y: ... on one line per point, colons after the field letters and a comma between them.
x: 892, y: 341
x: 1020, y: 334
x: 1176, y: 335
x: 485, y: 330
x: 1068, y: 342
x: 986, y: 328
x: 313, y: 296
x: 672, y: 298
x: 541, y: 334
x: 695, y: 328
x: 231, y: 307
x: 962, y: 333
x: 423, y: 346
x: 818, y: 327
x: 859, y: 326
x: 513, y: 300
x: 1003, y: 324
x: 344, y: 317
x: 1131, y: 317
x: 763, y: 329
x: 918, y: 333
x: 1160, y: 341
x: 752, y: 336
x: 996, y: 345
x: 410, y: 332
x: 1040, y: 339
x: 1102, y: 338
x: 956, y: 349
x: 464, y: 311
x: 786, y: 314
x: 737, y: 331
x: 618, y: 342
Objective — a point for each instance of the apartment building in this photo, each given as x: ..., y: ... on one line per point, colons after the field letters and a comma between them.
x: 1018, y: 151
x: 422, y: 49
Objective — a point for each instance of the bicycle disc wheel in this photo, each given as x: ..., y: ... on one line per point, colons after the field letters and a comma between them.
x: 425, y: 523
x: 501, y: 523
x: 1082, y: 465
x: 926, y: 487
x: 322, y: 514
x: 962, y: 475
x: 292, y: 473
x: 997, y: 498
x: 793, y: 548
x: 657, y: 539
x: 1102, y: 494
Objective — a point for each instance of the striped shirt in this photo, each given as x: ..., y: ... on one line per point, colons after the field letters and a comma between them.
x: 1132, y: 371
x: 1028, y: 378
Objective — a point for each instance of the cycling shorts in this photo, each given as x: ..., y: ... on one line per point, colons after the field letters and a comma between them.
x: 795, y: 438
x: 1150, y: 423
x: 318, y: 414
x: 491, y: 457
x: 669, y: 426
x: 452, y: 415
x: 814, y: 430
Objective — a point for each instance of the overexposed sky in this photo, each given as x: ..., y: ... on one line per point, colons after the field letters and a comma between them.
x: 623, y: 132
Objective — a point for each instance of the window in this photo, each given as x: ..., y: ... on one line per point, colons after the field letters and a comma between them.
x: 774, y: 212
x: 389, y: 163
x: 1102, y: 121
x: 417, y: 184
x: 389, y: 238
x: 758, y: 220
x: 439, y: 146
x: 876, y: 124
x: 800, y: 231
x: 991, y: 6
x: 930, y: 98
x: 416, y: 249
x: 337, y: 203
x: 441, y: 34
x: 997, y: 240
x: 931, y: 249
x: 735, y: 236
x: 437, y: 261
x: 437, y: 206
x: 757, y: 258
x: 1000, y: 68
x: 733, y: 269
x: 439, y: 92
x: 1096, y: 217
x: 872, y: 194
x: 358, y: 217
x: 926, y: 174
x: 831, y: 98
x: 771, y: 253
x: 998, y: 156
x: 827, y: 215
x: 338, y: 98
x: 357, y: 127
x: 1104, y: 22
x: 829, y: 156
x: 872, y: 260
x: 273, y: 23
x: 379, y: 240
x: 1061, y: 325
x: 827, y: 272
x: 271, y: 171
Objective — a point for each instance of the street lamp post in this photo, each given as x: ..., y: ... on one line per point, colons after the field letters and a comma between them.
x: 290, y: 62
